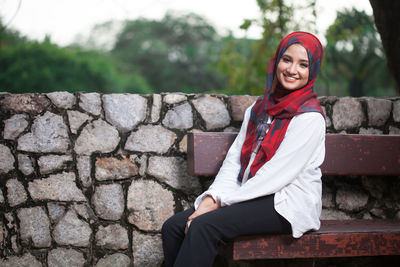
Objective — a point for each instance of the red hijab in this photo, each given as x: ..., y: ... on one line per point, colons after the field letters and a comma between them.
x: 281, y: 104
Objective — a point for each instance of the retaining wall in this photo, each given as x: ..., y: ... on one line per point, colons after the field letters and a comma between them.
x: 88, y: 179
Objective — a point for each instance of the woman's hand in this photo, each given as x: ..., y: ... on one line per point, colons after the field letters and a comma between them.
x: 208, y: 204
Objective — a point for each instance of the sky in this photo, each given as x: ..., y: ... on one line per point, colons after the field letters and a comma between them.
x: 64, y: 20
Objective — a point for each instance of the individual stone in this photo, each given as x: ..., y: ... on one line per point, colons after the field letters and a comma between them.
x: 327, y: 197
x: 394, y: 130
x: 155, y: 108
x: 62, y: 99
x: 1, y: 197
x: 29, y: 103
x: 231, y: 129
x: 334, y: 215
x: 351, y: 198
x: 97, y: 136
x: 115, y: 169
x: 70, y: 230
x: 51, y: 163
x: 174, y: 98
x: 7, y: 159
x: 186, y: 204
x: 56, y: 211
x: 34, y: 226
x: 14, y: 244
x: 378, y: 111
x: 113, y: 237
x: 114, y: 260
x: 367, y: 216
x: 142, y: 161
x: 59, y: 187
x: 150, y: 138
x: 378, y: 212
x: 10, y: 220
x: 85, y: 211
x: 396, y: 111
x: 48, y: 134
x: 370, y: 131
x: 25, y: 164
x: 65, y: 257
x: 76, y: 119
x: 173, y: 171
x: 149, y: 205
x: 91, y: 103
x: 347, y: 114
x: 14, y: 126
x: 3, y: 235
x: 84, y: 166
x: 213, y: 111
x: 16, y: 193
x: 239, y: 104
x: 108, y: 201
x: 183, y: 142
x: 27, y: 260
x: 147, y: 249
x: 179, y: 117
x: 125, y: 111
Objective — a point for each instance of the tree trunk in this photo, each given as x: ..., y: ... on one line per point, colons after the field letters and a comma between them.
x: 386, y: 14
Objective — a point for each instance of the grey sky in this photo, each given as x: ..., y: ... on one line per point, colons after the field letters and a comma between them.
x: 64, y: 19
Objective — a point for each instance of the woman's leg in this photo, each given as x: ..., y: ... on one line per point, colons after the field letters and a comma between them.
x: 206, y: 232
x: 173, y: 233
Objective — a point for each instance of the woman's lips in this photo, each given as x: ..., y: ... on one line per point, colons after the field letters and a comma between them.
x: 289, y: 79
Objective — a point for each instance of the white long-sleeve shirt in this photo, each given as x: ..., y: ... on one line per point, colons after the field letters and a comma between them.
x: 292, y: 174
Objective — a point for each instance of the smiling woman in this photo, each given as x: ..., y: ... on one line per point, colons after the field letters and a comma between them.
x: 270, y: 180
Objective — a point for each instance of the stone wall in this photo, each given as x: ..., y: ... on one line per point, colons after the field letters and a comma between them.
x: 88, y: 179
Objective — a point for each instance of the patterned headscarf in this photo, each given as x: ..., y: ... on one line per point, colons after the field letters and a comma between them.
x: 281, y: 104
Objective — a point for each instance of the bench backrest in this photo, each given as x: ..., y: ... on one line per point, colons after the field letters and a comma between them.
x: 346, y: 154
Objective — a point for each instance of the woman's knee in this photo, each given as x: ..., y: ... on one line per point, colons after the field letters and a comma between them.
x: 168, y: 226
x: 199, y: 224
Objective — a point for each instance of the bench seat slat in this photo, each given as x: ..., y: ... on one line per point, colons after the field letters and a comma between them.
x: 334, y: 239
x: 348, y: 154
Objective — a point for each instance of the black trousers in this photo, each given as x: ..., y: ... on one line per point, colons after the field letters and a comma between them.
x: 199, y: 246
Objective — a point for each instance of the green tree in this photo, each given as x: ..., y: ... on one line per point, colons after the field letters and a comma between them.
x: 30, y: 66
x: 173, y: 54
x: 355, y: 62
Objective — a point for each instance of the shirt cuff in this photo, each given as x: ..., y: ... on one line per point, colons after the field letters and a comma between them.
x: 211, y: 193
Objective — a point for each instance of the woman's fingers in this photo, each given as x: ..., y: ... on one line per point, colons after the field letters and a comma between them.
x: 187, y: 226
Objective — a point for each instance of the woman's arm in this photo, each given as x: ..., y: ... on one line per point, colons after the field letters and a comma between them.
x: 226, y: 179
x: 305, y: 133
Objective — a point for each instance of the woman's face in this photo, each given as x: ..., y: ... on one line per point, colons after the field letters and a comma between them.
x: 292, y: 71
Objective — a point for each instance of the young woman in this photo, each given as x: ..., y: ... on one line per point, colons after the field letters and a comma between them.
x: 270, y: 181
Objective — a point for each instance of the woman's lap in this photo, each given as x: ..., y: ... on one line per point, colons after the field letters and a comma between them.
x: 257, y: 216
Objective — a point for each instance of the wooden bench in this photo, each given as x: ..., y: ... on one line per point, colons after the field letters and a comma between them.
x: 370, y: 155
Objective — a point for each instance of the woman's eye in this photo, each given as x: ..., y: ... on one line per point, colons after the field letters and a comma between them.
x: 285, y: 59
x: 304, y: 65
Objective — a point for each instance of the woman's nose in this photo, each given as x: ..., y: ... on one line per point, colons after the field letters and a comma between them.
x: 291, y: 69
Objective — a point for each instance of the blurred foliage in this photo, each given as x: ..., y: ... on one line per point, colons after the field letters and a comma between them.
x: 184, y: 53
x: 355, y: 62
x: 31, y: 66
x: 174, y: 54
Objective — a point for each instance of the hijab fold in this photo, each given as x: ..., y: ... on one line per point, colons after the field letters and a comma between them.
x: 280, y: 103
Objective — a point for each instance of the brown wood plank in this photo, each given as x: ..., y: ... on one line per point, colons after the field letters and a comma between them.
x: 345, y: 154
x: 334, y: 239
